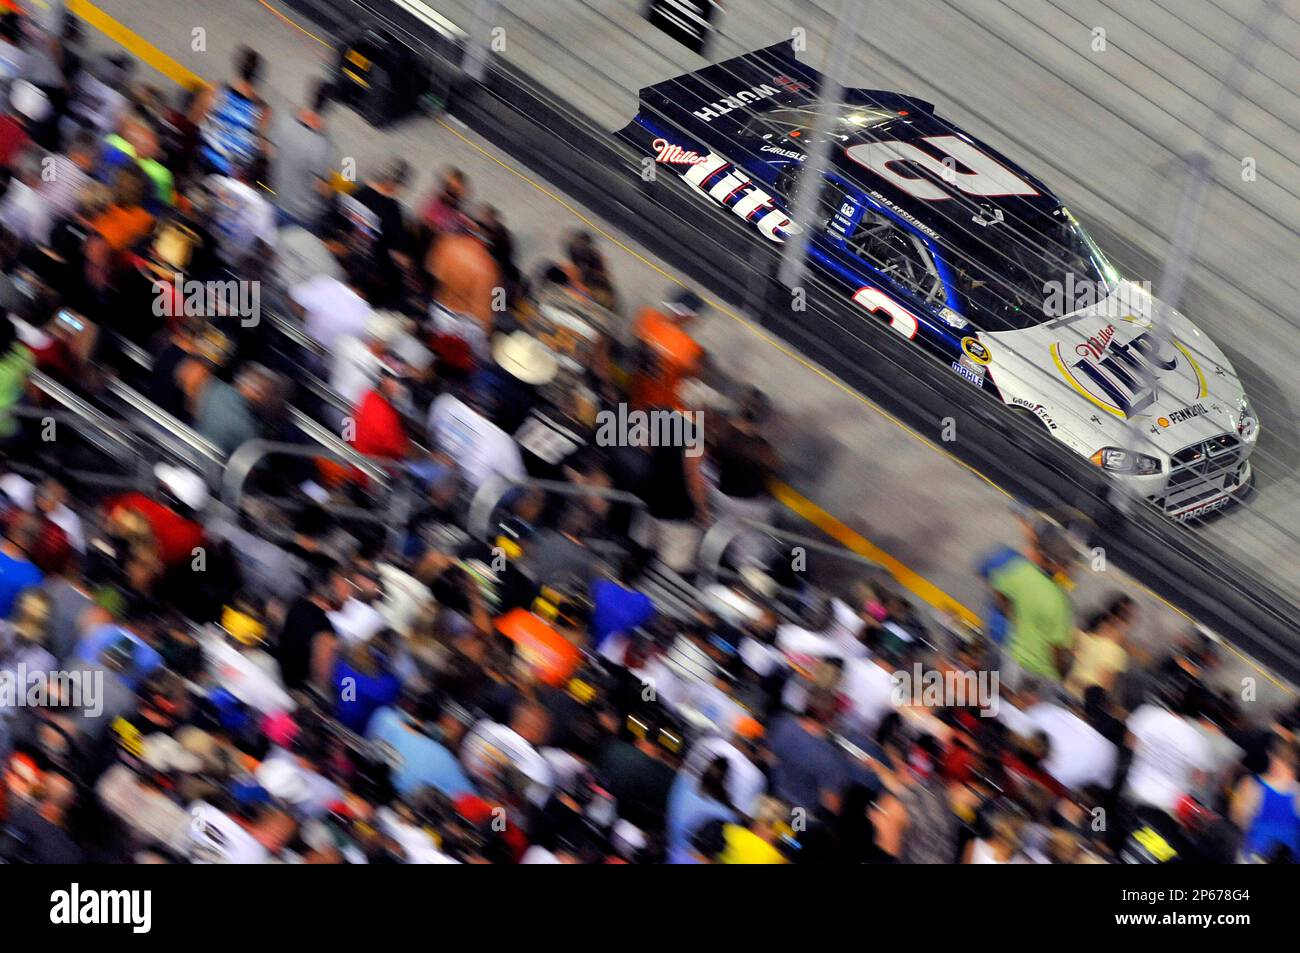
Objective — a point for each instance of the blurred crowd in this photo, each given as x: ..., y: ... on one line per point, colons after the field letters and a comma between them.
x: 478, y: 629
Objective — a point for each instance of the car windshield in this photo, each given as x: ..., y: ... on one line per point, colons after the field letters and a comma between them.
x: 797, y: 123
x: 1017, y: 274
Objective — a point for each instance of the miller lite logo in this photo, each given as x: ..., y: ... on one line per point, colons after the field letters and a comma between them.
x: 1124, y: 376
x: 670, y: 153
x: 1096, y: 345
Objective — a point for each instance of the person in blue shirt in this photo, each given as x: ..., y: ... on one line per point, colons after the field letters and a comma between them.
x: 995, y: 622
x: 692, y: 804
x: 17, y: 571
x: 1266, y: 807
x: 363, y: 682
x: 141, y: 659
x: 616, y: 608
x: 418, y: 760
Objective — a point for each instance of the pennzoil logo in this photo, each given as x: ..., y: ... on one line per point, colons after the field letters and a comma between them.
x: 1187, y: 413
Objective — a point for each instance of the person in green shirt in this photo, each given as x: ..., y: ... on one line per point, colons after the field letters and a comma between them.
x: 1037, y: 607
x: 16, y: 363
x: 138, y: 142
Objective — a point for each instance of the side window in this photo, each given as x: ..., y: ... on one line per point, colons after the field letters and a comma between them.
x: 828, y: 203
x: 898, y: 254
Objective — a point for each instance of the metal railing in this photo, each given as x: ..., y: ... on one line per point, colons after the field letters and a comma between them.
x: 178, y: 438
x: 490, y: 495
x: 393, y: 513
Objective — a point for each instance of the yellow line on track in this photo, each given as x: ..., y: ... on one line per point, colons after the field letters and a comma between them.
x: 135, y: 44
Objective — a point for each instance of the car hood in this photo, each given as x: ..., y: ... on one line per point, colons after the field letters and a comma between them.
x: 1127, y: 367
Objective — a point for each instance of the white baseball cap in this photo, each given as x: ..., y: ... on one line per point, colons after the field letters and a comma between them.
x: 29, y: 101
x: 186, y: 485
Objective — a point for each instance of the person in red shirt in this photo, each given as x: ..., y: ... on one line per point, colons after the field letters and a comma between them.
x: 379, y: 428
x: 28, y: 106
x: 181, y: 494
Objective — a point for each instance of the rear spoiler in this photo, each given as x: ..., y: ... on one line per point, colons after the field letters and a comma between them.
x: 772, y: 75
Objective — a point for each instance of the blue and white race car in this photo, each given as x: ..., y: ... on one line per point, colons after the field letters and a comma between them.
x: 958, y: 249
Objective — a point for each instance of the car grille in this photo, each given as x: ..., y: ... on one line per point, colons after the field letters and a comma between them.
x: 1202, y: 471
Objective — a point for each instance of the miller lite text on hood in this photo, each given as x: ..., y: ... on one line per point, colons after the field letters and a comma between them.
x: 721, y: 181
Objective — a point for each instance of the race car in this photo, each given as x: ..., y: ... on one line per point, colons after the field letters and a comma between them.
x: 952, y: 245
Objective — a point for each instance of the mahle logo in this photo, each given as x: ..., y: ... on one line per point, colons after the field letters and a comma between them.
x: 186, y: 297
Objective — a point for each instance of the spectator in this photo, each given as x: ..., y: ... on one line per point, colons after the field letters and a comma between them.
x: 491, y: 747
x: 1170, y: 756
x: 226, y: 414
x: 1100, y: 653
x: 380, y: 430
x: 1037, y: 607
x: 755, y: 842
x: 17, y: 572
x: 233, y: 118
x: 306, y: 623
x: 126, y: 220
x: 27, y: 108
x: 808, y: 770
x: 333, y: 308
x: 38, y: 834
x: 137, y: 146
x: 746, y: 463
x: 372, y: 223
x: 498, y: 241
x: 305, y: 157
x: 16, y: 362
x: 24, y: 210
x: 693, y: 803
x: 443, y: 212
x: 242, y: 217
x: 466, y: 277
x: 668, y: 354
x: 1266, y: 806
x: 69, y: 174
x: 364, y: 682
x: 422, y: 761
x: 479, y: 448
x: 675, y: 495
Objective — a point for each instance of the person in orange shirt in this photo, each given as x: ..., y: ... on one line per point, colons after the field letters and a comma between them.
x: 670, y: 353
x: 126, y: 220
x: 543, y: 647
x: 466, y: 275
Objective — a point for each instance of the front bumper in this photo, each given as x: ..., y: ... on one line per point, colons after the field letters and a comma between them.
x: 1200, y: 480
x: 1194, y: 501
